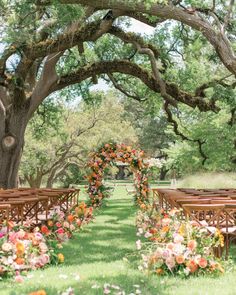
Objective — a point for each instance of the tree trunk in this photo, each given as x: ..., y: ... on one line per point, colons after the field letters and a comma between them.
x: 34, y: 181
x: 12, y: 130
x: 163, y: 173
x: 121, y: 173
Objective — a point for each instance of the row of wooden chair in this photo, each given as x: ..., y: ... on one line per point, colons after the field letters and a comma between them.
x: 215, y: 209
x: 19, y: 205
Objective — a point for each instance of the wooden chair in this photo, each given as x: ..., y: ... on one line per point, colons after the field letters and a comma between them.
x: 210, y: 216
x: 229, y: 230
x: 4, y: 215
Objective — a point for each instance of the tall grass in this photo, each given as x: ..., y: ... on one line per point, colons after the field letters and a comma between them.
x: 209, y: 180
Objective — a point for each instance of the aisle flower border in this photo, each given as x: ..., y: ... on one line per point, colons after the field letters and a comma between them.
x: 108, y: 154
x: 176, y: 246
x: 28, y: 247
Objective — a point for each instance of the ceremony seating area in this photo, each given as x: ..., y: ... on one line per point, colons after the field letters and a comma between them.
x: 19, y: 205
x: 214, y: 209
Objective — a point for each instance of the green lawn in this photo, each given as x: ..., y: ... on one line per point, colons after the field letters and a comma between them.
x: 96, y: 255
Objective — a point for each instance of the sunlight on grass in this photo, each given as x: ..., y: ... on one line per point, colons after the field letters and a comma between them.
x: 209, y: 180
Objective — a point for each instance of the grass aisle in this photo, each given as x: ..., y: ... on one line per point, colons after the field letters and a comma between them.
x: 95, y: 257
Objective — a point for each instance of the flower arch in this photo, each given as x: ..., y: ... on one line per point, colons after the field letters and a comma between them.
x: 109, y: 154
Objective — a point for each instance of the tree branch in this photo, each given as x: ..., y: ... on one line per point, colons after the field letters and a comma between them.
x: 121, y: 89
x: 223, y: 48
x: 47, y: 79
x: 129, y: 68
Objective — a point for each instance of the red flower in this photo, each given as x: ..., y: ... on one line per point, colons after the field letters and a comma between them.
x: 44, y: 229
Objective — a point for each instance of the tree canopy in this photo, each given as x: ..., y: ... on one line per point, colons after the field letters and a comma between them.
x: 49, y: 46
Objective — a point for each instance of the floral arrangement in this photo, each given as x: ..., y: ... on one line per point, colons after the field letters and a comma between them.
x: 23, y: 250
x: 27, y: 247
x: 60, y: 226
x: 112, y: 152
x: 176, y: 246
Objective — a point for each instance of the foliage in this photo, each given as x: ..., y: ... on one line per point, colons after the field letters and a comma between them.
x: 63, y: 147
x: 214, y: 131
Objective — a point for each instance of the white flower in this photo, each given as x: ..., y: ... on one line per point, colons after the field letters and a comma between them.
x: 69, y: 291
x: 115, y: 287
x: 138, y: 245
x: 187, y: 271
x: 95, y: 286
x: 6, y: 247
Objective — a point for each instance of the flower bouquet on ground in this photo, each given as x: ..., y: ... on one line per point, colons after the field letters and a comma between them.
x: 26, y: 247
x: 178, y: 247
x: 23, y: 251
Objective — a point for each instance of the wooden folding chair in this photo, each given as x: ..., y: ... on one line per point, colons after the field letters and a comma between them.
x: 4, y: 215
x: 208, y: 215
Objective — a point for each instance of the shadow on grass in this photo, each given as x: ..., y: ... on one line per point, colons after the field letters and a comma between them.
x: 107, y: 239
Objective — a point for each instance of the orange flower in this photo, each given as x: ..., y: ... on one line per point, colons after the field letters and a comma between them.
x: 202, y: 262
x: 39, y: 292
x: 143, y: 206
x: 20, y: 248
x: 165, y: 229
x: 192, y: 244
x: 60, y: 257
x: 50, y: 223
x: 70, y: 218
x: 20, y: 261
x: 153, y: 259
x: 159, y: 271
x: 179, y: 259
x: 192, y: 265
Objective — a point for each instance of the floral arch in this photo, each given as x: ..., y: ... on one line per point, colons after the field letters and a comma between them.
x: 109, y: 154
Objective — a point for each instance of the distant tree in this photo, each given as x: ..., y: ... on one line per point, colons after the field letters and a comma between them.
x: 52, y: 152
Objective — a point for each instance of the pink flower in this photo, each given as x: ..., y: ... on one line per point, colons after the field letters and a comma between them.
x: 170, y: 262
x: 43, y: 247
x: 19, y: 279
x: 165, y: 221
x: 166, y: 253
x: 60, y: 231
x: 72, y: 227
x: 170, y: 246
x: 66, y: 224
x: 2, y: 235
x: 202, y: 262
x: 38, y: 236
